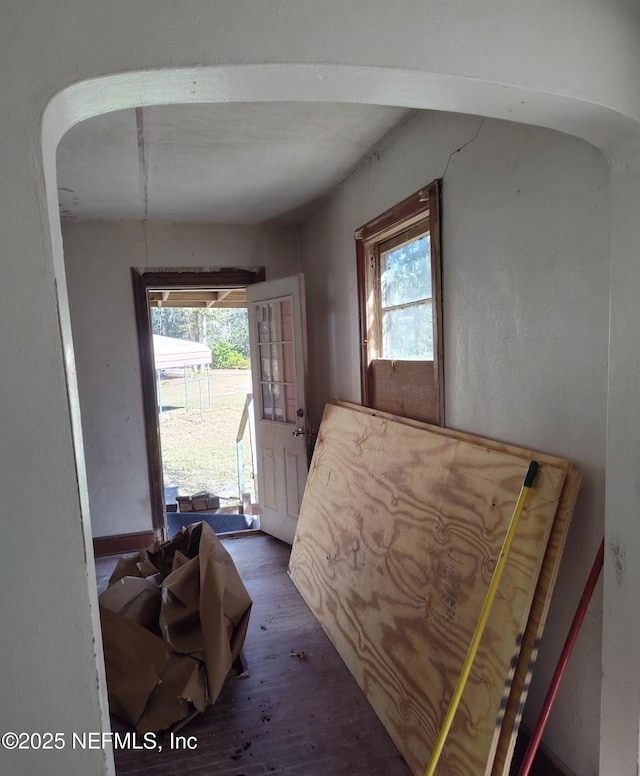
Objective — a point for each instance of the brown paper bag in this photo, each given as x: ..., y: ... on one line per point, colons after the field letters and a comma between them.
x: 200, y: 611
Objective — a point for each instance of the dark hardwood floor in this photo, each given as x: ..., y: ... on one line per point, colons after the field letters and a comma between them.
x: 298, y: 711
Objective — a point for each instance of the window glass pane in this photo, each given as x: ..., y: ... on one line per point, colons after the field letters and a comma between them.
x: 405, y: 272
x: 407, y: 333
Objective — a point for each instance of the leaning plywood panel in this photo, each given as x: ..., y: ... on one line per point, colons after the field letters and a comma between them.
x: 503, y: 447
x: 518, y: 681
x: 397, y: 539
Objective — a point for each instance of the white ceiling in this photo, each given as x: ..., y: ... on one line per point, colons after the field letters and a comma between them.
x: 231, y: 163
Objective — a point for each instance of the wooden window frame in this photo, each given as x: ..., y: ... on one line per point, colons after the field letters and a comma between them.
x: 423, y: 398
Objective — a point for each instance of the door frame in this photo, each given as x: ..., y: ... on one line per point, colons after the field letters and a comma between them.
x: 163, y: 280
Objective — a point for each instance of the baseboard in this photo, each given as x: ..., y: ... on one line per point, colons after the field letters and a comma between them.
x: 121, y: 543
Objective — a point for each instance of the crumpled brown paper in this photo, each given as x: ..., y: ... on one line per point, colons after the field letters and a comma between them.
x: 174, y: 618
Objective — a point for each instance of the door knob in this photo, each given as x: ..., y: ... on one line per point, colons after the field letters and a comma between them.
x: 298, y: 432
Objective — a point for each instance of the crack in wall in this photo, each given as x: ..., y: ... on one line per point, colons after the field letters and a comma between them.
x: 462, y: 147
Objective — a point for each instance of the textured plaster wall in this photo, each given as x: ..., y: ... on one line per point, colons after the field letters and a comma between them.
x: 525, y: 235
x: 98, y: 259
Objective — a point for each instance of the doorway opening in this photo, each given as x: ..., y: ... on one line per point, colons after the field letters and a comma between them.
x: 203, y: 378
x: 194, y: 349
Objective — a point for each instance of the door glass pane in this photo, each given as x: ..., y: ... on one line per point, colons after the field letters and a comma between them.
x: 287, y: 357
x: 262, y: 316
x: 276, y: 359
x: 267, y: 404
x: 286, y: 320
x: 405, y: 272
x: 291, y: 403
x: 275, y: 317
x: 407, y: 332
x: 278, y: 410
x: 277, y: 362
x: 265, y: 363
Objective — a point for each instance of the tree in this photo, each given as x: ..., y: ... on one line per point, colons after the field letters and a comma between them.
x: 229, y: 326
x: 233, y: 327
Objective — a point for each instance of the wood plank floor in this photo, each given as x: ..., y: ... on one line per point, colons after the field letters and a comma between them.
x: 299, y: 710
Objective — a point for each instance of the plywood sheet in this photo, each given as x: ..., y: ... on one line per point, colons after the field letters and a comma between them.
x: 398, y: 535
x: 519, y: 679
x: 493, y: 444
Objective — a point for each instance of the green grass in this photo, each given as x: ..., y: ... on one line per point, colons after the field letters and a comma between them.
x: 199, y: 445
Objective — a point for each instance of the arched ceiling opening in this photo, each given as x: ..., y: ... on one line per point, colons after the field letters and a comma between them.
x: 256, y: 144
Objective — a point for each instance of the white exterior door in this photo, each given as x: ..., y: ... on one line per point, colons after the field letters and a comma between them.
x: 277, y: 326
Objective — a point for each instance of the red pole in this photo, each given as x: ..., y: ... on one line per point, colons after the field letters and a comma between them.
x: 562, y: 662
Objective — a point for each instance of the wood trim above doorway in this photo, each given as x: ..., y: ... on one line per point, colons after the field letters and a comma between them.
x: 143, y: 281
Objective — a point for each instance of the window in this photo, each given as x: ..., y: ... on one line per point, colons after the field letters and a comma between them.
x: 405, y: 297
x: 400, y: 309
x: 277, y: 373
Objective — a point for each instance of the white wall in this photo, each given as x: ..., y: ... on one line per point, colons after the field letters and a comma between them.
x: 99, y: 258
x: 525, y: 235
x: 621, y: 669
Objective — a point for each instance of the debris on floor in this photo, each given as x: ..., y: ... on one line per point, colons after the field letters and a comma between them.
x: 199, y: 502
x: 174, y: 618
